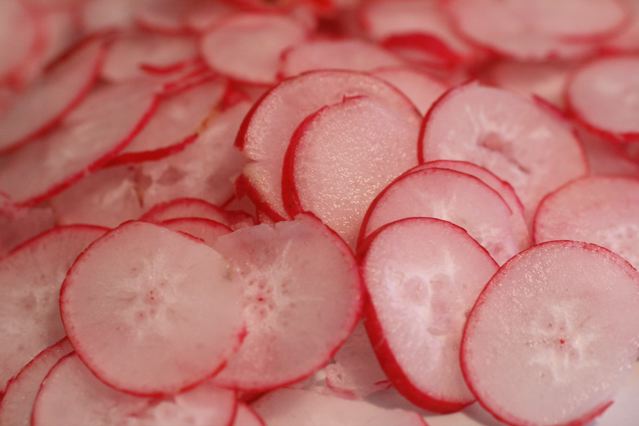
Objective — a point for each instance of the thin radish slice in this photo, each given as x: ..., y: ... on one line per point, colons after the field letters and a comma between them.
x: 603, y: 96
x: 574, y: 327
x: 45, y: 104
x: 294, y: 407
x: 17, y: 403
x: 628, y: 39
x: 18, y: 37
x: 230, y: 47
x: 418, y: 86
x: 90, y: 136
x: 170, y: 17
x: 205, y: 229
x: 294, y: 272
x: 605, y: 158
x: 365, y: 142
x: 347, y: 54
x: 71, y: 396
x: 520, y: 141
x: 143, y: 290
x: 423, y: 276
x: 267, y: 130
x: 30, y: 280
x: 20, y: 224
x: 193, y: 207
x: 105, y: 15
x: 246, y: 416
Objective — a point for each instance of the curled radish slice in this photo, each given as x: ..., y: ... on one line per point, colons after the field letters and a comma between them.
x: 246, y: 416
x: 567, y: 312
x: 520, y: 141
x: 603, y: 95
x: 205, y: 229
x: 267, y: 130
x: 230, y: 48
x: 422, y: 276
x: 18, y: 37
x: 293, y: 273
x: 71, y: 396
x: 363, y: 141
x: 418, y: 86
x: 30, y: 280
x: 288, y: 407
x: 144, y: 290
x: 193, y: 207
x: 602, y: 210
x: 17, y: 403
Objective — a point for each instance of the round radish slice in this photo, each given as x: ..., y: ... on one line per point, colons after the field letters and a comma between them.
x: 268, y: 128
x: 143, y: 290
x: 456, y: 197
x: 230, y: 47
x: 44, y: 104
x: 295, y: 407
x: 17, y: 403
x: 30, y: 280
x: 602, y: 210
x: 246, y: 416
x: 604, y: 95
x: 294, y: 273
x: 422, y: 276
x: 19, y: 36
x: 205, y: 229
x: 518, y: 140
x: 71, y: 396
x: 364, y: 142
x: 553, y: 334
x: 419, y: 87
x: 193, y: 207
x: 347, y: 54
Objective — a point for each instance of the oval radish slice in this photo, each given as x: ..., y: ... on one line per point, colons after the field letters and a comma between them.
x: 231, y: 50
x: 205, y: 229
x: 422, y: 276
x: 17, y: 403
x: 418, y: 86
x: 71, y: 396
x: 19, y: 37
x: 364, y: 142
x: 604, y: 96
x: 293, y: 273
x: 193, y: 207
x: 267, y: 130
x: 246, y: 416
x: 574, y: 327
x: 518, y: 140
x: 30, y: 280
x: 295, y: 407
x: 44, y: 104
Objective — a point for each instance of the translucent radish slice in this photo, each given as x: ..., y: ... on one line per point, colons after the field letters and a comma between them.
x: 418, y: 86
x: 205, y: 229
x: 574, y: 327
x: 104, y: 15
x: 90, y: 136
x: 423, y: 276
x: 21, y: 224
x: 144, y: 290
x: 17, y: 403
x: 605, y: 158
x: 30, y: 280
x: 518, y: 140
x: 43, y: 105
x: 72, y: 396
x: 288, y: 407
x: 293, y: 272
x: 363, y: 141
x: 627, y: 40
x: 192, y: 207
x: 268, y: 128
x: 18, y: 36
x: 603, y: 95
x: 230, y: 47
x: 246, y: 416
x: 347, y: 54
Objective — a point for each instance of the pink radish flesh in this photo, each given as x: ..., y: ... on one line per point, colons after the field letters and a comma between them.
x: 18, y: 37
x: 143, y: 290
x: 192, y: 207
x: 246, y: 416
x: 419, y: 87
x: 205, y: 229
x: 18, y: 225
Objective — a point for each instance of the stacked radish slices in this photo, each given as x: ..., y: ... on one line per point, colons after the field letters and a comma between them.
x: 319, y: 212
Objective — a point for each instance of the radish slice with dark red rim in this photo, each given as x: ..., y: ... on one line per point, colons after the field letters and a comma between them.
x: 246, y: 416
x: 293, y: 272
x: 29, y: 309
x: 193, y: 207
x: 19, y: 37
x: 422, y: 276
x: 205, y: 229
x: 574, y: 327
x: 418, y: 86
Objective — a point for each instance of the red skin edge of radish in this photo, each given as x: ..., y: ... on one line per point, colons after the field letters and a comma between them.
x: 427, y: 43
x: 149, y: 215
x: 196, y: 219
x: 244, y: 186
x: 168, y: 69
x: 183, y: 30
x: 14, y: 77
x: 53, y: 230
x: 44, y: 384
x: 155, y: 154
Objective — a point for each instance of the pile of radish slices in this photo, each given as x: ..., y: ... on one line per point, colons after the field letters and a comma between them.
x: 319, y: 212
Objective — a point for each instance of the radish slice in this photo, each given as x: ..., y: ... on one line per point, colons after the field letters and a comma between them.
x: 422, y: 276
x: 172, y: 17
x: 30, y: 280
x: 246, y: 416
x: 348, y: 54
x: 293, y: 272
x: 294, y: 407
x: 603, y: 96
x: 205, y: 229
x: 605, y: 158
x: 419, y: 87
x: 17, y: 404
x: 230, y: 47
x: 20, y: 224
x: 574, y: 327
x: 105, y: 15
x: 268, y: 128
x: 45, y: 104
x: 456, y: 197
x: 71, y: 396
x: 519, y: 141
x: 627, y: 40
x: 91, y: 135
x: 363, y: 141
x: 18, y: 37
x: 193, y: 207
x: 157, y: 291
